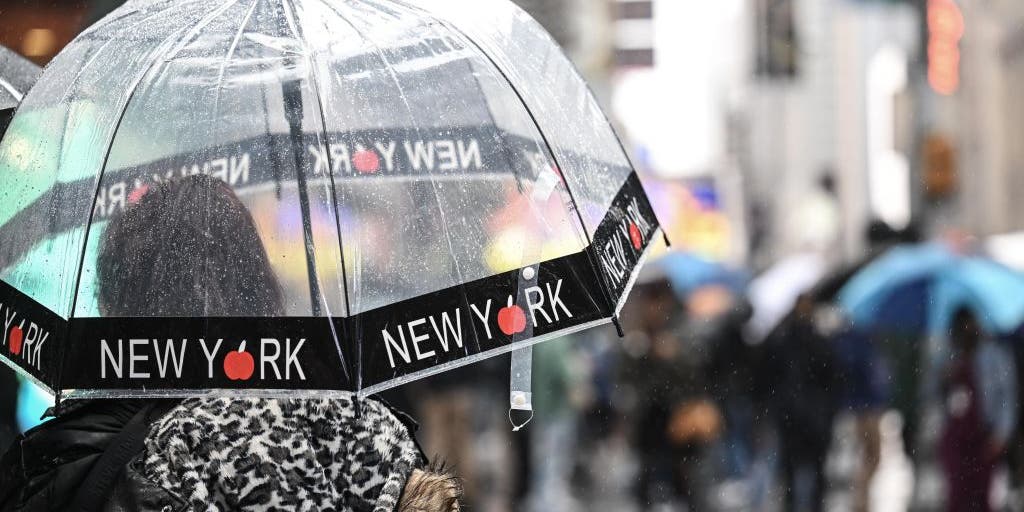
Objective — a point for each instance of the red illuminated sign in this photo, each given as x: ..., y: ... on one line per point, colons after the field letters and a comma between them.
x: 945, y: 28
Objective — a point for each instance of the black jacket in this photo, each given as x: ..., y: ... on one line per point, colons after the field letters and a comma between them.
x: 55, y: 465
x: 801, y: 372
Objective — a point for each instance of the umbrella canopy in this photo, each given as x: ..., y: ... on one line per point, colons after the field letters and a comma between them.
x: 826, y: 289
x: 687, y: 272
x: 16, y: 77
x: 775, y: 291
x: 918, y: 288
x: 430, y: 184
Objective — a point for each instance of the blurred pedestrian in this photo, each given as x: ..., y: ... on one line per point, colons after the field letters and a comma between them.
x: 803, y: 372
x: 212, y: 453
x: 674, y: 418
x: 863, y: 392
x: 557, y: 401
x: 980, y: 390
x: 445, y: 405
x: 730, y: 375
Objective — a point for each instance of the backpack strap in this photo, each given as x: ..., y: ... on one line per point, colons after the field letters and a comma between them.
x: 98, y: 485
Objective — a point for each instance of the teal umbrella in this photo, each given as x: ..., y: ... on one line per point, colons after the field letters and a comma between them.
x: 919, y: 287
x: 687, y: 272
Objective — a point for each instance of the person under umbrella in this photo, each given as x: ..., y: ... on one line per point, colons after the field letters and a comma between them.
x: 800, y: 367
x: 675, y: 421
x: 980, y: 390
x: 232, y: 453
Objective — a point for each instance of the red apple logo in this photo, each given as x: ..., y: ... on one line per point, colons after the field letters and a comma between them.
x: 239, y: 365
x: 366, y: 161
x: 634, y: 236
x: 16, y: 338
x: 511, y: 319
x: 136, y: 195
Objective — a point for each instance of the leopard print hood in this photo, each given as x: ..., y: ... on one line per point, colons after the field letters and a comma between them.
x: 282, y: 454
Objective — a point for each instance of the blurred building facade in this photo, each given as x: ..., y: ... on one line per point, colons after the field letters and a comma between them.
x: 912, y: 106
x: 984, y: 118
x: 827, y: 146
x: 584, y: 29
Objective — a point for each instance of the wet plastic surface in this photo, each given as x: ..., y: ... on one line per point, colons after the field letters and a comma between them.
x: 385, y: 149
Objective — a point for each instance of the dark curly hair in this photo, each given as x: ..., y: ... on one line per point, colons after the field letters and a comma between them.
x: 187, y: 248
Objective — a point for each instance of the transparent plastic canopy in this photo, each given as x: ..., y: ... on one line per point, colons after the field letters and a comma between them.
x: 385, y: 149
x: 422, y: 91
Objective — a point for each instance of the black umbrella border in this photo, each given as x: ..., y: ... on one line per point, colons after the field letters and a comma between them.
x: 296, y: 355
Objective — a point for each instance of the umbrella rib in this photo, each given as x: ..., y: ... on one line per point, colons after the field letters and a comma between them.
x: 334, y: 199
x: 10, y: 88
x: 96, y: 53
x: 159, y: 55
x: 540, y: 131
x: 295, y: 130
x: 230, y: 54
x: 433, y: 185
x: 401, y: 91
x: 315, y: 82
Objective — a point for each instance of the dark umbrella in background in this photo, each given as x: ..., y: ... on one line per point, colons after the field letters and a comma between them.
x: 919, y: 287
x: 688, y: 272
x: 880, y: 237
x: 17, y: 75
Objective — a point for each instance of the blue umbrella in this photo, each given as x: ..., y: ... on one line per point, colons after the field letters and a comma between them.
x: 687, y: 272
x: 919, y: 287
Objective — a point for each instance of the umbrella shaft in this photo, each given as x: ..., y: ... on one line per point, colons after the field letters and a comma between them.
x: 293, y: 112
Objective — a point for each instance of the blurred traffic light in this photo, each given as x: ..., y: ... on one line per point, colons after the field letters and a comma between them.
x: 939, y: 167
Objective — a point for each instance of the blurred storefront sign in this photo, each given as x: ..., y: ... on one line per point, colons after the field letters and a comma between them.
x: 692, y: 216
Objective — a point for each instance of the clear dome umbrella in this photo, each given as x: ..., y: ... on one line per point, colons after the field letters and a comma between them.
x: 431, y: 184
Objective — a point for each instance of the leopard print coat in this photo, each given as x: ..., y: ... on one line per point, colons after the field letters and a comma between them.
x: 286, y: 454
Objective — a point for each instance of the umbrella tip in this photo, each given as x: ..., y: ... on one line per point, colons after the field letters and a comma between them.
x: 618, y: 326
